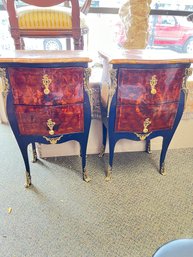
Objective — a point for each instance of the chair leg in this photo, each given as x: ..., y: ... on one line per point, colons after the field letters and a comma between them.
x: 19, y: 43
x: 82, y: 42
x: 78, y: 43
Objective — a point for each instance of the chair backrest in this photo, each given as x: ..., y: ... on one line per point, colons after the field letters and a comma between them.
x: 13, y: 17
x: 17, y: 31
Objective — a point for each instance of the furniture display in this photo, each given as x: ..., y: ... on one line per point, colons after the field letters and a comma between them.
x: 147, y: 93
x: 47, y: 99
x: 47, y: 19
x: 176, y: 248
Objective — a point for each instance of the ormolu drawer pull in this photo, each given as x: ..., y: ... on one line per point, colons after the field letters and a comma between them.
x: 146, y: 123
x: 153, y: 83
x: 50, y: 125
x: 46, y: 82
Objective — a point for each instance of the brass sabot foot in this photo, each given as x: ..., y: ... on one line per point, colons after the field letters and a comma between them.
x: 28, y: 180
x: 102, y: 152
x: 109, y: 174
x: 162, y: 170
x: 86, y: 178
x: 149, y: 151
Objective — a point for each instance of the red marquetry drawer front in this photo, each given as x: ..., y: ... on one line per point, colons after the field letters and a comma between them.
x: 32, y: 120
x: 134, y: 85
x: 47, y: 86
x: 130, y: 118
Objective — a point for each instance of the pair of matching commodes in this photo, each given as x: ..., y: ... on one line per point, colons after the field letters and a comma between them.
x: 48, y: 100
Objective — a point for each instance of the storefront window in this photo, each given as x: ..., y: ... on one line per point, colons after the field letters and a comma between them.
x: 171, y: 31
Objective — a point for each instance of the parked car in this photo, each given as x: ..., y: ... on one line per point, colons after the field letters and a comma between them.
x: 172, y: 32
x: 165, y: 31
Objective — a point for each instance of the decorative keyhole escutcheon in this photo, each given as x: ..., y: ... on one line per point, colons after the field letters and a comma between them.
x: 50, y: 125
x: 153, y: 83
x: 146, y: 123
x: 46, y: 83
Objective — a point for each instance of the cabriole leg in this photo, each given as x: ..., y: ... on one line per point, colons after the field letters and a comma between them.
x: 34, y: 153
x: 104, y: 141
x: 148, y: 146
x: 23, y: 149
x: 86, y: 177
x: 111, y: 156
x: 165, y: 145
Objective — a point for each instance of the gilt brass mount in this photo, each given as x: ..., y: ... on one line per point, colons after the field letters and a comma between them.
x: 5, y: 83
x: 112, y: 89
x: 46, y: 83
x: 142, y: 137
x: 88, y: 89
x: 153, y: 83
x: 188, y: 72
x: 50, y: 125
x: 146, y: 123
x: 86, y: 177
x: 28, y: 180
x: 54, y: 140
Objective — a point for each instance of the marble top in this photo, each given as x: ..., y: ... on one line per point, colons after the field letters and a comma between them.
x: 42, y: 56
x: 144, y: 56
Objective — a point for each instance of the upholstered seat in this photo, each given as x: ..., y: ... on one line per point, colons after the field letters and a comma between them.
x: 47, y: 19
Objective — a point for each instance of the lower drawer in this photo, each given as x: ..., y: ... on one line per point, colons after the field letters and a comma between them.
x: 145, y: 118
x: 50, y: 120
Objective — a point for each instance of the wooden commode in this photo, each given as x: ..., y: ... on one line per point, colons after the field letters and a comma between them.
x: 146, y: 95
x: 47, y: 99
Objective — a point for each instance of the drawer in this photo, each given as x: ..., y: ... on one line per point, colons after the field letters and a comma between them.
x: 50, y: 120
x: 47, y: 86
x: 150, y: 86
x: 136, y: 118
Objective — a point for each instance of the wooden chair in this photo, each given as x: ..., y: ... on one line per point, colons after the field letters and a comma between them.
x: 47, y: 19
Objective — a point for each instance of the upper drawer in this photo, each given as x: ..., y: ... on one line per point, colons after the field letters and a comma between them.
x: 47, y: 86
x: 151, y: 86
